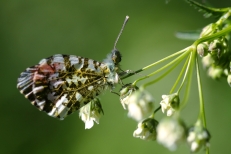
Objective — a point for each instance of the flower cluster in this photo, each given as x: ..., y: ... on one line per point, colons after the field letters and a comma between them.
x: 215, y: 53
x: 198, y: 136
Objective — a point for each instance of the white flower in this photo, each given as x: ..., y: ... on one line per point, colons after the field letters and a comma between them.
x: 207, y: 61
x: 140, y: 105
x: 170, y: 132
x: 146, y: 129
x: 91, y: 112
x: 170, y: 103
x: 215, y: 72
x: 198, y: 137
x: 125, y: 93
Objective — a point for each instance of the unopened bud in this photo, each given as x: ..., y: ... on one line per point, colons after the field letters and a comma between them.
x: 202, y: 49
x: 215, y: 47
x: 209, y: 30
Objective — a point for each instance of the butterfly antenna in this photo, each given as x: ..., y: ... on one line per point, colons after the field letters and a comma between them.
x: 125, y: 21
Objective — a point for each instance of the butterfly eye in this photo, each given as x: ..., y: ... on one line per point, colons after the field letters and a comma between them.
x: 116, y: 56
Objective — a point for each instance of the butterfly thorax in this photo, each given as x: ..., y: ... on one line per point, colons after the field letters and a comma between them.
x: 111, y: 69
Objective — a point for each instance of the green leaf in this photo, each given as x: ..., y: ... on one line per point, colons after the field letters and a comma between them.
x: 208, y: 11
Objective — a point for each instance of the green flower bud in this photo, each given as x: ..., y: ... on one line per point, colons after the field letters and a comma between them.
x: 219, y: 48
x: 224, y: 45
x: 215, y: 47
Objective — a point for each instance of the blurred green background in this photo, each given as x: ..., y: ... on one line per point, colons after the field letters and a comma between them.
x: 32, y: 30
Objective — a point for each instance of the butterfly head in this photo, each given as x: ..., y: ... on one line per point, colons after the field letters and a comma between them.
x: 116, y: 56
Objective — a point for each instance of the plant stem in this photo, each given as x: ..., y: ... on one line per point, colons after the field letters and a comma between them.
x: 162, y: 68
x: 162, y: 76
x: 204, y: 39
x: 213, y: 36
x: 224, y: 17
x: 157, y: 109
x: 179, y: 76
x: 166, y: 58
x: 202, y: 109
x: 153, y: 64
x: 188, y: 85
x: 186, y: 72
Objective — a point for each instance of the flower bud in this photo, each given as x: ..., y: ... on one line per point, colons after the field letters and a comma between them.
x: 218, y: 48
x: 170, y: 103
x: 215, y: 47
x: 202, y: 49
x: 209, y: 30
x: 146, y: 129
x: 198, y: 137
x: 91, y: 112
x: 125, y: 92
x: 171, y: 132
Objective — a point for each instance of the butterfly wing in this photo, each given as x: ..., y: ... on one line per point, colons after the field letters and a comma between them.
x: 61, y: 84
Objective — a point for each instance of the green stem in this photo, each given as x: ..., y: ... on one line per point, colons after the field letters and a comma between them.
x: 224, y: 17
x: 213, y: 36
x: 153, y: 64
x: 202, y: 109
x: 157, y: 109
x: 130, y: 74
x: 153, y: 114
x: 188, y: 85
x: 179, y: 76
x: 162, y: 76
x: 162, y: 68
x: 204, y: 39
x: 166, y: 58
x: 186, y: 73
x: 207, y: 150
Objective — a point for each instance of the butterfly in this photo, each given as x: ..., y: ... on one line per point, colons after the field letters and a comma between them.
x: 61, y: 84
